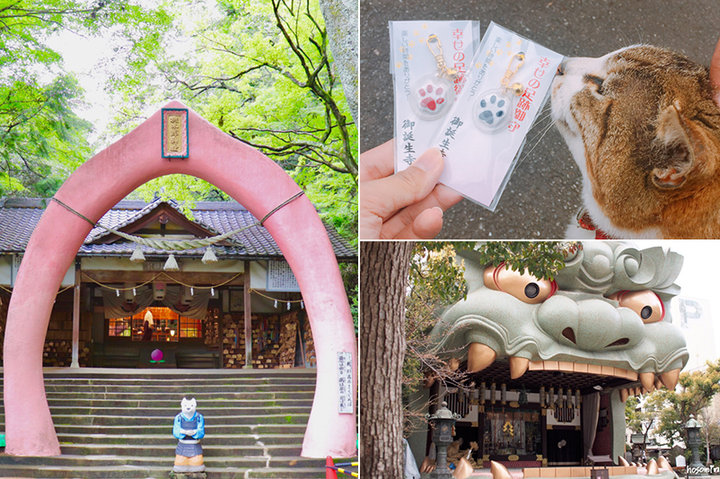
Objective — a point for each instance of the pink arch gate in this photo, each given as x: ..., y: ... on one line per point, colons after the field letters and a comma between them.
x: 250, y: 178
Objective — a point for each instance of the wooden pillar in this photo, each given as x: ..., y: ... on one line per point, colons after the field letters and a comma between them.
x: 75, y: 363
x: 247, y: 310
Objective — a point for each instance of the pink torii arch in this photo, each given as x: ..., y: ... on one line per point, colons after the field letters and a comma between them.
x: 250, y: 178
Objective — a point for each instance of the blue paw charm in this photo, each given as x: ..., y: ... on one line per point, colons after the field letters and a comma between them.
x: 492, y: 109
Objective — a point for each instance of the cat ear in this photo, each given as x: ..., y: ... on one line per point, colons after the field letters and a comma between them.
x: 676, y: 143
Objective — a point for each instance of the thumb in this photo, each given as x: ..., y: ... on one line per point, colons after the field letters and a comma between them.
x: 412, y: 184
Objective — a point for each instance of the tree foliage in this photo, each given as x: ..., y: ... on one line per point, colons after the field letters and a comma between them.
x: 670, y: 410
x: 696, y: 391
x: 42, y: 139
x: 262, y: 72
x: 543, y: 259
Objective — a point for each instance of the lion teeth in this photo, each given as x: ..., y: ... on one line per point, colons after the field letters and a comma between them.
x: 480, y: 356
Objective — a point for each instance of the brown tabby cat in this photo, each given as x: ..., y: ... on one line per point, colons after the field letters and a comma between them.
x: 644, y: 130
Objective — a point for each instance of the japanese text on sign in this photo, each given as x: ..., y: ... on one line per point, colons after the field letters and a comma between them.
x: 528, y: 96
x: 280, y: 277
x: 345, y: 378
x: 458, y: 59
x: 449, y: 134
x: 174, y: 134
x: 488, y: 59
x: 408, y: 140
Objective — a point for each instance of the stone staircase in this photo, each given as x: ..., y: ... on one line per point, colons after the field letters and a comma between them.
x: 118, y: 423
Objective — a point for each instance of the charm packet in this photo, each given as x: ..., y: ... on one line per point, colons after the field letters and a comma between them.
x: 482, y: 135
x: 429, y: 62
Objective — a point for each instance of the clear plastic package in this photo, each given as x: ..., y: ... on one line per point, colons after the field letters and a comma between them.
x: 428, y: 61
x: 482, y: 135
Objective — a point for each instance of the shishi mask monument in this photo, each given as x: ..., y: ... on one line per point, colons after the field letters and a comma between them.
x: 549, y: 364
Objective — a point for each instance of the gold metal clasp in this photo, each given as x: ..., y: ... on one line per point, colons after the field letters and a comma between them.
x: 516, y: 62
x: 435, y: 47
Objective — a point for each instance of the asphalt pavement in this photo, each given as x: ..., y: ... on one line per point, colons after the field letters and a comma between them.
x: 543, y: 194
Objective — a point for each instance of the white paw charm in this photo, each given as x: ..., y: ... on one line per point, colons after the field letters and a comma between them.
x: 492, y: 110
x: 431, y: 97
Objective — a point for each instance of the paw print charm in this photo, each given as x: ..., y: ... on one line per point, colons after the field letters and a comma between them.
x: 492, y: 109
x: 431, y: 96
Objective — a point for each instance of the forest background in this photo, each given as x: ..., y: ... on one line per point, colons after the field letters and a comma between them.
x: 260, y: 70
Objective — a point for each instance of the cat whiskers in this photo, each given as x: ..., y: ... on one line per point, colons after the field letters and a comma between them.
x: 544, y: 114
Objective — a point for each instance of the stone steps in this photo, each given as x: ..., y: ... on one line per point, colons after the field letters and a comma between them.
x: 114, y: 423
x: 144, y: 402
x: 172, y: 396
x: 167, y: 440
x: 155, y: 472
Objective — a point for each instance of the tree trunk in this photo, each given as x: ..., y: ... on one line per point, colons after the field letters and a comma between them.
x: 383, y: 276
x: 341, y: 19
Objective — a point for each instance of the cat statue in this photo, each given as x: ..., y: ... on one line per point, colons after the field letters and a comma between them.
x: 189, y: 428
x: 644, y: 130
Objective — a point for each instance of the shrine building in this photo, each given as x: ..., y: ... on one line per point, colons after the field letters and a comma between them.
x: 241, y: 308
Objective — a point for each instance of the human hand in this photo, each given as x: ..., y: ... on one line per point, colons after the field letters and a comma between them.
x: 715, y: 72
x: 405, y: 205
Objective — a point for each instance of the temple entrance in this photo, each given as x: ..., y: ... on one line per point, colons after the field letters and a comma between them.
x: 258, y: 184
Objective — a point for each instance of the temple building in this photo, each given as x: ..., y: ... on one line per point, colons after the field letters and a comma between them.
x: 233, y: 304
x: 543, y: 368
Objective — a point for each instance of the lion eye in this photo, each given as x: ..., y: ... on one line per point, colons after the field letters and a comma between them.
x: 523, y: 286
x: 646, y: 304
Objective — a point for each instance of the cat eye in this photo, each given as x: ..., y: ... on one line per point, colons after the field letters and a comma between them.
x: 597, y: 81
x: 523, y: 286
x: 646, y: 304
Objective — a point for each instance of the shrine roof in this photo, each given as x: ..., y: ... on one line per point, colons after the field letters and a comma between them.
x: 19, y: 216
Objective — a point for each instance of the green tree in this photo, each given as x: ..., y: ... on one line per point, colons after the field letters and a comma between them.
x: 696, y: 391
x: 262, y: 72
x: 42, y: 139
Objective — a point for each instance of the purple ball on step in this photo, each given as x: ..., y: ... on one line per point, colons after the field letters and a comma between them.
x: 156, y: 355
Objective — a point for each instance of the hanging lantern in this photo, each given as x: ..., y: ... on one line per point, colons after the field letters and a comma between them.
x: 209, y: 256
x: 171, y: 264
x: 137, y: 256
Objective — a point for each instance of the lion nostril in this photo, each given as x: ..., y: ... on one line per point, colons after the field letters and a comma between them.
x: 570, y: 334
x: 619, y: 342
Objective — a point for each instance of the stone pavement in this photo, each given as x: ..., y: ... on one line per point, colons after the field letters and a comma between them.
x: 543, y: 194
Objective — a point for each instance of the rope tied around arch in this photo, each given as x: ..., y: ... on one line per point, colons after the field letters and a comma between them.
x: 179, y: 245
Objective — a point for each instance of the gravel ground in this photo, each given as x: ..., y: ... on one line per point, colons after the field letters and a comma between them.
x: 543, y: 194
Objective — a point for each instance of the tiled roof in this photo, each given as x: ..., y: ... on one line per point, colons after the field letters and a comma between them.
x: 18, y: 218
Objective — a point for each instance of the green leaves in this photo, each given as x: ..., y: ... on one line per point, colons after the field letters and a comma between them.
x: 42, y: 139
x: 542, y: 258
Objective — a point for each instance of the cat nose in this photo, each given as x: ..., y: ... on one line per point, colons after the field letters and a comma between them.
x: 561, y: 67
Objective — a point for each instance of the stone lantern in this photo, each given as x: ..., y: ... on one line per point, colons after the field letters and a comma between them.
x: 442, y: 422
x: 692, y: 427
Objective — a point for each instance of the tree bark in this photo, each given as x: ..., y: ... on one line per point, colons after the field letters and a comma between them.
x: 383, y: 276
x: 341, y: 20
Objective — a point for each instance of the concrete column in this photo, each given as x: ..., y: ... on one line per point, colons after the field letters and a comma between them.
x: 247, y: 310
x: 75, y: 363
